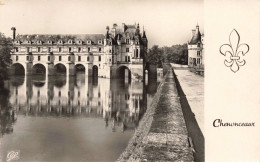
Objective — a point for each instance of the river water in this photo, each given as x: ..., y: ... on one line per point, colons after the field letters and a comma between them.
x: 70, y: 118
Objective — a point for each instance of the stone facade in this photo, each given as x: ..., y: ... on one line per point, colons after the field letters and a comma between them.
x: 120, y: 51
x: 196, y: 49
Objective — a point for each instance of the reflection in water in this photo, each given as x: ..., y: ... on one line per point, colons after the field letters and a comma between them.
x: 71, y: 110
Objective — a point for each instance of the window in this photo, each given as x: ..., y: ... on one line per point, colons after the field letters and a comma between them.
x: 16, y: 58
x: 198, y: 53
x: 137, y: 42
x: 99, y: 49
x: 16, y: 49
x: 125, y: 58
x: 99, y: 58
x: 79, y: 93
x: 69, y: 49
x: 127, y: 41
x: 59, y: 58
x: 110, y: 51
x: 69, y: 58
x: 198, y: 61
x: 27, y: 58
x: 198, y: 44
x: 28, y: 49
x: 79, y: 49
x: 88, y: 49
x: 127, y: 49
x: 128, y: 58
x: 136, y: 52
x: 39, y: 58
x: 49, y: 58
x: 49, y: 49
x: 59, y: 49
x: 59, y: 93
x: 39, y: 49
x: 87, y: 58
x: 79, y: 58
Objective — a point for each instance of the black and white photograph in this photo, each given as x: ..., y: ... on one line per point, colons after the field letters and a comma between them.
x: 96, y: 80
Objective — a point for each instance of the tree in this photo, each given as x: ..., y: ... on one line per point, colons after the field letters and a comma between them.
x: 5, y: 57
x: 176, y: 54
x: 6, y: 114
x: 155, y: 56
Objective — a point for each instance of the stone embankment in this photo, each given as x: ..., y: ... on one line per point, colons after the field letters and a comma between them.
x: 162, y: 134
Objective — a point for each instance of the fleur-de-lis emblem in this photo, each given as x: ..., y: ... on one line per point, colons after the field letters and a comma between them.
x: 234, y: 52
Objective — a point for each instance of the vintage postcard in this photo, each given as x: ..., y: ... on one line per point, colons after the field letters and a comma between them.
x: 132, y: 80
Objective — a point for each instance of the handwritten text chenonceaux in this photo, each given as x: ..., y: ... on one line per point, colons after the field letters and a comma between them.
x: 219, y: 123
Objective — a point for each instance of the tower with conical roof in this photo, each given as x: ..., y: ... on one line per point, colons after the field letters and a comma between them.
x: 195, y: 49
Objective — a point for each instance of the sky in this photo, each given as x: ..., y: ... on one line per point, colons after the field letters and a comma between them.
x: 166, y: 22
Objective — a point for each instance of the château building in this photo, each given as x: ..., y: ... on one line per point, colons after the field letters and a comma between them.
x: 118, y: 52
x: 195, y: 49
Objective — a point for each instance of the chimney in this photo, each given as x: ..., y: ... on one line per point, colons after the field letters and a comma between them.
x: 13, y: 29
x: 193, y: 32
x: 123, y: 26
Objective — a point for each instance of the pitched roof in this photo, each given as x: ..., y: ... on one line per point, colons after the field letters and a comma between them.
x: 64, y: 37
x: 196, y: 38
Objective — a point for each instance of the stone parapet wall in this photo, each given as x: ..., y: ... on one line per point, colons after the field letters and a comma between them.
x: 162, y: 134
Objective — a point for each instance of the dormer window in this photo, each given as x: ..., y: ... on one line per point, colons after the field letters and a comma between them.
x: 39, y: 42
x: 60, y: 42
x: 127, y: 41
x: 17, y: 42
x: 70, y: 41
x: 100, y: 42
x: 79, y: 42
x: 69, y: 49
x: 29, y: 42
x: 88, y: 42
x: 49, y: 42
x: 79, y: 49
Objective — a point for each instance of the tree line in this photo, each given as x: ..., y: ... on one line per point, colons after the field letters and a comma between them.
x: 175, y: 54
x: 5, y: 57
